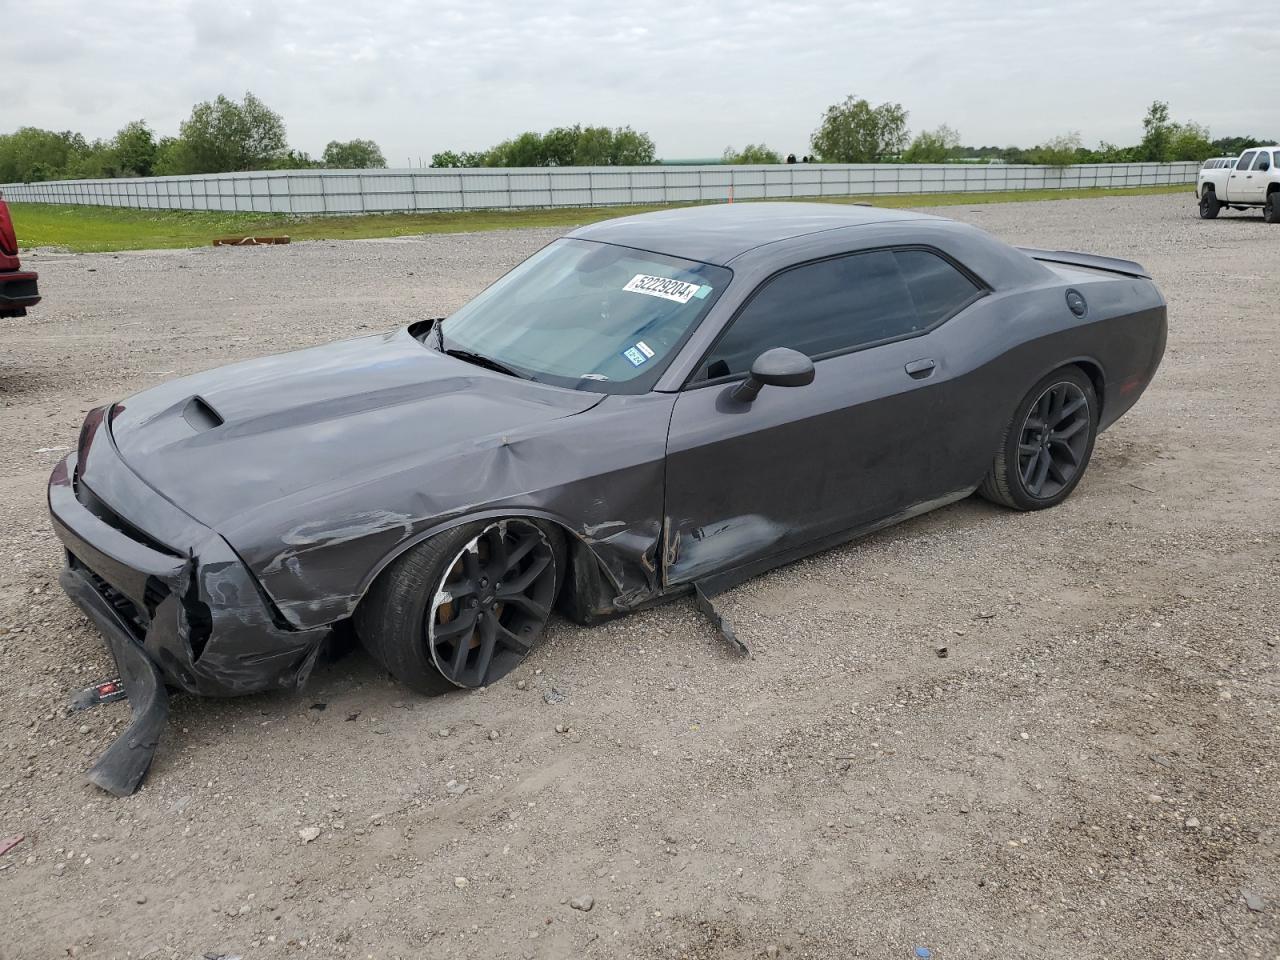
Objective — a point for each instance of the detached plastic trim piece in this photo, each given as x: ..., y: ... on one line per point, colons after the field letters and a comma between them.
x: 124, y: 764
x: 702, y: 600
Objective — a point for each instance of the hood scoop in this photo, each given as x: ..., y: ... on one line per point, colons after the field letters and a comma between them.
x: 200, y: 415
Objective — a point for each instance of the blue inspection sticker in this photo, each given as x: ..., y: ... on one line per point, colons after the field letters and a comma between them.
x: 638, y: 354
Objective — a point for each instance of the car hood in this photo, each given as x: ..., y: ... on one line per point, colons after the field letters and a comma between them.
x: 229, y: 443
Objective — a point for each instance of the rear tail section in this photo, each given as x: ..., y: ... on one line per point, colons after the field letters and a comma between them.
x: 1129, y: 317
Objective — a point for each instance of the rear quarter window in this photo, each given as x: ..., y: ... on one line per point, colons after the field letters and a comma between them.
x: 938, y: 288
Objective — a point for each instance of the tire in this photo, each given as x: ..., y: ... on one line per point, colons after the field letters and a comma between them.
x: 1068, y: 443
x: 397, y: 619
x: 1209, y: 205
x: 1271, y: 212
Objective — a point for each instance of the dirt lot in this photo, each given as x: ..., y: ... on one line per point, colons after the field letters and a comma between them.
x: 1090, y: 773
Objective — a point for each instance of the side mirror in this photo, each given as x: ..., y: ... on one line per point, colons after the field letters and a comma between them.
x: 779, y: 367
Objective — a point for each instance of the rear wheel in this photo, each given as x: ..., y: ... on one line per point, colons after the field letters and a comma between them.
x: 1271, y: 212
x: 464, y: 608
x: 1047, y: 445
x: 1209, y: 205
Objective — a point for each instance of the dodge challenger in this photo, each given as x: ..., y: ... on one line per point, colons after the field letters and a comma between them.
x: 650, y: 406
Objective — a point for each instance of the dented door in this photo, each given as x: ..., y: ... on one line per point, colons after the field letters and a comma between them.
x: 799, y: 464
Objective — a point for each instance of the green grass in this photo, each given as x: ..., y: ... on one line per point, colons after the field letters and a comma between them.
x: 108, y: 229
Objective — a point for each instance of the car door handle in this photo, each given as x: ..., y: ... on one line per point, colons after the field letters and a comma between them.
x: 919, y: 369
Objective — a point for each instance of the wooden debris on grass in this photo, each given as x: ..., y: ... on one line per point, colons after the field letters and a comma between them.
x: 248, y: 241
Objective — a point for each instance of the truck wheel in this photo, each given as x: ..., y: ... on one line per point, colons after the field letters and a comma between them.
x: 1209, y: 205
x: 1271, y: 212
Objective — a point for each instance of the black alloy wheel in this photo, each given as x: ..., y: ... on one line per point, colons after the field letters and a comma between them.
x: 1047, y: 444
x: 491, y: 603
x: 1054, y: 442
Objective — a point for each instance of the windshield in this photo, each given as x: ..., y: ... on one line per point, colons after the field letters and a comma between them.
x: 588, y: 315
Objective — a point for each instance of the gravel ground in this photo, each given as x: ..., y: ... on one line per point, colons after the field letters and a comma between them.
x: 1090, y: 773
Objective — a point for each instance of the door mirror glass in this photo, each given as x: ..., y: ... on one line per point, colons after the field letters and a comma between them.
x: 779, y: 367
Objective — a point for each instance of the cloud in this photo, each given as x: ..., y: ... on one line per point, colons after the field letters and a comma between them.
x: 421, y: 77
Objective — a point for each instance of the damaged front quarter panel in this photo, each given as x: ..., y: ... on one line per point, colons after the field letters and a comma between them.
x: 598, y: 475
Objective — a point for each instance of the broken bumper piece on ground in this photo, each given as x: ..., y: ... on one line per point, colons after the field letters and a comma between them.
x: 121, y: 768
x: 108, y: 691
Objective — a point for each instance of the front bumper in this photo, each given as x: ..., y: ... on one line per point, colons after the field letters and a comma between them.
x: 183, y: 598
x: 18, y: 290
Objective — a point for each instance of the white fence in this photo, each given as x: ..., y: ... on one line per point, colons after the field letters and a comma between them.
x: 387, y: 191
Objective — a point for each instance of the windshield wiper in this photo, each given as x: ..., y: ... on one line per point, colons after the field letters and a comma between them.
x: 480, y: 360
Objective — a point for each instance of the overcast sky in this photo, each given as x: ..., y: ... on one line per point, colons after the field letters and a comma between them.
x: 419, y: 77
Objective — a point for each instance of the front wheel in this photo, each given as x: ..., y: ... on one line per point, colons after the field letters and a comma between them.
x: 464, y: 608
x: 1209, y: 205
x: 1047, y: 445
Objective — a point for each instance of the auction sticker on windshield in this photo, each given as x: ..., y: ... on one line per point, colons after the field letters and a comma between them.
x: 677, y: 290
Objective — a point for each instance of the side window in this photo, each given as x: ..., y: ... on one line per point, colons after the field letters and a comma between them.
x: 937, y: 287
x: 1263, y: 162
x: 1245, y: 160
x: 819, y: 308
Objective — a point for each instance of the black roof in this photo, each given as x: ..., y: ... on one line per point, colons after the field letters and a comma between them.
x: 717, y: 233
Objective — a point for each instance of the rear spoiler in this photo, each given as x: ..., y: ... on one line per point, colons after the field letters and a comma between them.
x: 1111, y: 264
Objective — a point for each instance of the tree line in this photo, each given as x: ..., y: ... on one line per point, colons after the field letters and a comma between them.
x: 225, y: 136
x: 575, y: 146
x: 854, y: 131
x: 220, y: 136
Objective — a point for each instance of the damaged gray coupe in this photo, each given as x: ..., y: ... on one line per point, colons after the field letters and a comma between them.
x: 655, y: 405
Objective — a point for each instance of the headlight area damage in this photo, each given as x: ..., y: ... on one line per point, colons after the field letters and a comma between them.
x: 184, y: 612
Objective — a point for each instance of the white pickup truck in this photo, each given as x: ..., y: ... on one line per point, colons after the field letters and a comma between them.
x: 1251, y: 181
